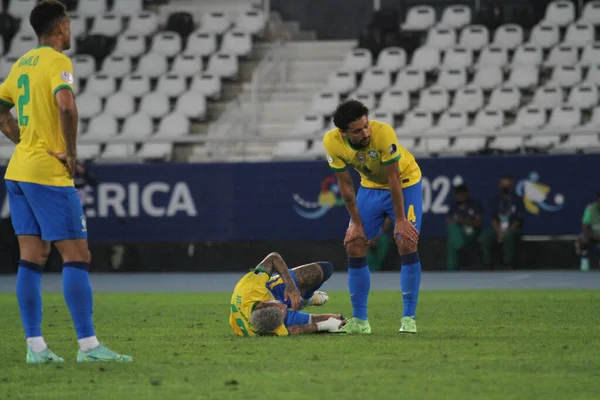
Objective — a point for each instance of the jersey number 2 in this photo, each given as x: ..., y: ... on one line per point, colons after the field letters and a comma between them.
x: 23, y: 83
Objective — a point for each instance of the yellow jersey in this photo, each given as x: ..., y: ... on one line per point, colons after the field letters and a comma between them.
x: 30, y: 86
x: 249, y: 291
x: 383, y: 150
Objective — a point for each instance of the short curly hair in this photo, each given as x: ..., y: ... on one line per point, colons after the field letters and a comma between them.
x: 348, y: 112
x: 266, y: 319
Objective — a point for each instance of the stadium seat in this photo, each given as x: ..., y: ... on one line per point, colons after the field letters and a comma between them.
x: 431, y: 145
x: 152, y: 65
x: 488, y: 77
x: 544, y: 35
x: 6, y: 151
x: 168, y: 44
x: 252, y: 22
x: 416, y: 122
x: 117, y: 66
x: 91, y: 8
x: 587, y: 142
x: 508, y: 36
x: 548, y: 97
x: 201, y: 44
x: 223, y: 65
x: 357, y: 60
x: 317, y: 149
x: 566, y: 76
x: 144, y: 23
x: 507, y: 142
x: 486, y: 121
x: 561, y: 55
x: 368, y: 99
x: 593, y: 75
x: 382, y: 116
x: 21, y: 45
x: 474, y: 37
x: 426, y: 58
x: 136, y: 85
x: 107, y: 24
x: 120, y: 105
x: 441, y: 38
x: 419, y: 18
x: 192, y: 105
x: 452, y: 78
x: 88, y: 151
x: 593, y: 124
x: 101, y: 85
x: 410, y: 79
x: 324, y: 103
x: 591, y: 12
x: 590, y: 55
x: 6, y: 64
x: 493, y: 56
x: 130, y: 45
x: 579, y: 34
x: 181, y: 22
x: 342, y: 82
x: 25, y: 29
x: 392, y: 59
x: 137, y: 126
x: 527, y: 55
x: 98, y: 46
x: 308, y: 124
x: 186, y: 65
x: 395, y: 101
x: 155, y: 104
x: 505, y: 98
x: 89, y: 105
x: 238, y: 43
x: 20, y: 8
x: 529, y: 118
x: 127, y: 7
x: 152, y: 151
x: 172, y: 85
x: 84, y: 65
x: 451, y: 122
x: 118, y: 151
x: 375, y: 80
x: 583, y: 96
x: 215, y: 22
x: 469, y: 99
x: 560, y: 12
x: 562, y: 120
x: 101, y: 127
x: 207, y: 84
x: 455, y: 16
x: 523, y: 77
x: 458, y: 57
x: 434, y: 99
x: 174, y: 125
x: 290, y: 148
x: 467, y: 144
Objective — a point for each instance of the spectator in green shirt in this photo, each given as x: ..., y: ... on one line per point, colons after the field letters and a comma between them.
x: 590, y: 237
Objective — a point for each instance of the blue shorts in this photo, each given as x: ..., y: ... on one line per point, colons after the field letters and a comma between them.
x: 277, y: 287
x: 375, y: 204
x: 51, y: 212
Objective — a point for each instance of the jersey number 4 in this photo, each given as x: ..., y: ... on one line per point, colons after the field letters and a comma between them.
x: 23, y: 83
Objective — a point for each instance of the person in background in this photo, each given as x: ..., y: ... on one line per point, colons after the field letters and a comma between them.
x: 590, y: 234
x: 464, y: 221
x: 380, y: 246
x: 507, y: 212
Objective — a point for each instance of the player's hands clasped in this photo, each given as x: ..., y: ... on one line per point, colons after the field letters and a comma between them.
x: 406, y: 229
x: 70, y: 162
x: 293, y: 294
x: 354, y: 231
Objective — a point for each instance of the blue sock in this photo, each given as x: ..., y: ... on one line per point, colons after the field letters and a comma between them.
x: 29, y: 296
x: 327, y: 269
x: 410, y: 280
x: 78, y: 296
x: 359, y: 283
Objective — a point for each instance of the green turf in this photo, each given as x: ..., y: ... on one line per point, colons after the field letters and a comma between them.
x: 471, y: 345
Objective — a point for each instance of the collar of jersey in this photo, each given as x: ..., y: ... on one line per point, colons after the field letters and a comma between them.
x: 351, y: 146
x: 41, y: 46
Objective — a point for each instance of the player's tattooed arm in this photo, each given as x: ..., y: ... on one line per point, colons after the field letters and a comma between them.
x: 274, y: 263
x: 9, y: 126
x: 302, y: 329
x: 314, y: 318
x: 348, y: 193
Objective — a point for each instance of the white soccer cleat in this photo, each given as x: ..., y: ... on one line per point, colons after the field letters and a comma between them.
x: 318, y: 299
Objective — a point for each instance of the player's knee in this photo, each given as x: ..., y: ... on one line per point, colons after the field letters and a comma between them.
x: 406, y: 246
x: 356, y: 248
x: 327, y: 269
x: 37, y: 254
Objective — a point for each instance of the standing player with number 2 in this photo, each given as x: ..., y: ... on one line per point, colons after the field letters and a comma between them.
x: 390, y: 186
x: 44, y: 204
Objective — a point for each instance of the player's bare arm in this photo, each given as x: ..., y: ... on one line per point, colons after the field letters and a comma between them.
x: 348, y: 193
x: 9, y: 126
x: 403, y: 226
x: 319, y: 323
x: 274, y: 263
x: 68, y: 121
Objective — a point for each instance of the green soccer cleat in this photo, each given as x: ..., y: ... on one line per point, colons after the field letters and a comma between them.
x: 44, y: 357
x: 355, y: 326
x: 409, y: 325
x: 101, y: 354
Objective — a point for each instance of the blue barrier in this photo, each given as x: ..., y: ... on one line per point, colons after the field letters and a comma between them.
x: 299, y: 200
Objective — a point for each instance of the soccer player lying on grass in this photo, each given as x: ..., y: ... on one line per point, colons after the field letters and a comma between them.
x: 267, y: 304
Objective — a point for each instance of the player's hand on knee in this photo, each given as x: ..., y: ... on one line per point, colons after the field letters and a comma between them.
x: 354, y: 231
x: 406, y: 229
x: 330, y: 324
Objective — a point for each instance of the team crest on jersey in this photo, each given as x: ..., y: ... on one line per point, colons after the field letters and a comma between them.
x: 329, y: 159
x: 361, y: 157
x: 393, y: 148
x: 83, y: 224
x: 373, y: 154
x: 67, y: 77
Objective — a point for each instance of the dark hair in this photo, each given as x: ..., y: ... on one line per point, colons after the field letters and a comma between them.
x: 46, y: 15
x: 507, y: 177
x: 348, y: 112
x: 462, y: 188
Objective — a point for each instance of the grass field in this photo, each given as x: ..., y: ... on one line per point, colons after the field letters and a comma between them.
x: 471, y: 345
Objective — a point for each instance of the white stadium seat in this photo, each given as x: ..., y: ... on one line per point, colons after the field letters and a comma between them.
x: 474, y: 37
x: 215, y: 22
x: 368, y: 99
x: 127, y: 7
x: 451, y: 122
x: 591, y: 12
x: 136, y: 85
x: 583, y: 96
x: 382, y: 116
x: 101, y: 85
x: 223, y: 65
x: 562, y: 55
x: 493, y: 56
x: 88, y: 151
x: 172, y: 85
x: 21, y: 45
x: 508, y: 36
x: 566, y: 75
x: 593, y: 75
x: 579, y: 34
x: 155, y: 104
x: 560, y: 12
x: 84, y: 65
x: 290, y: 148
x: 434, y: 99
x: 120, y: 105
x: 25, y: 29
x: 458, y: 57
x: 192, y: 105
x: 488, y: 77
x: 174, y: 125
x: 466, y: 144
x: 186, y: 65
x: 591, y: 54
x: 416, y: 122
x: 324, y: 103
x: 132, y: 45
x: 118, y: 151
x: 117, y: 66
x: 456, y: 16
x: 375, y: 80
x: 562, y: 120
x: 441, y: 38
x: 548, y: 97
x: 469, y: 99
x: 544, y: 35
x: 452, y: 78
x: 307, y: 124
x: 392, y: 59
x: 201, y: 44
x: 89, y: 105
x: 166, y: 43
x: 207, y: 84
x: 486, y: 120
x: 419, y: 18
x: 583, y: 142
x: 152, y: 65
x: 341, y: 82
x: 507, y: 143
x: 155, y: 151
x: 78, y: 27
x: 527, y: 55
x: 137, y: 126
x: 523, y: 77
x: 426, y: 58
x: 529, y: 118
x: 252, y: 22
x: 357, y: 60
x: 20, y: 8
x: 6, y: 64
x: 238, y: 43
x: 144, y: 23
x: 410, y: 79
x: 103, y: 126
x: 107, y: 24
x: 505, y: 98
x: 394, y: 101
x: 91, y: 8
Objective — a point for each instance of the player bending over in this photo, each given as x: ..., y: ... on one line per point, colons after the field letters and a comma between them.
x: 390, y: 186
x: 266, y: 304
x: 43, y: 202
